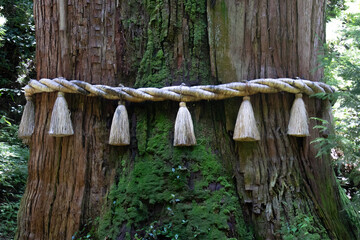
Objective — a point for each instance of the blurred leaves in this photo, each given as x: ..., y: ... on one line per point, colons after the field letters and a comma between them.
x: 13, y: 175
x: 17, y: 53
x: 342, y: 70
x: 334, y: 8
x: 340, y: 59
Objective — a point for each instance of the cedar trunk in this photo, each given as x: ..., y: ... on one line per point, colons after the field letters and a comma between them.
x: 272, y: 189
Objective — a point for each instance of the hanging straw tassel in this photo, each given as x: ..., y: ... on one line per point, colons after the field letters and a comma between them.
x: 27, y: 124
x: 120, y: 131
x: 245, y: 127
x: 298, y: 124
x: 60, y: 124
x: 184, y: 128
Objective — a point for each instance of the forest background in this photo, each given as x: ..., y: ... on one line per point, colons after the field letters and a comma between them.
x: 340, y: 58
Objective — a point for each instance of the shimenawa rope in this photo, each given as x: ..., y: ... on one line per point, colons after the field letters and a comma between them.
x: 245, y: 129
x: 179, y: 93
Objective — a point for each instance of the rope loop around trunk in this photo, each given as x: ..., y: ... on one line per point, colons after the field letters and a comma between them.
x: 179, y: 93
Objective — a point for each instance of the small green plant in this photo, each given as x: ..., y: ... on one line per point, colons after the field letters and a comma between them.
x: 8, y: 131
x: 302, y: 227
x: 8, y: 214
x: 334, y: 141
x: 324, y: 144
x: 157, y: 230
x: 86, y: 232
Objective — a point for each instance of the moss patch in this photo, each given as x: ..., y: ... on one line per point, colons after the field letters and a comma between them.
x: 303, y: 226
x: 172, y: 193
x: 176, y: 48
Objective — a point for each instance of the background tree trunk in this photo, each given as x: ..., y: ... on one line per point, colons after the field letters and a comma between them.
x: 216, y: 190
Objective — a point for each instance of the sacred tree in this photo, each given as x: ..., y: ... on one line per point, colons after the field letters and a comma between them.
x: 221, y: 186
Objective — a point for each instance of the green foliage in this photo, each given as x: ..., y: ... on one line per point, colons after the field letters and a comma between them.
x: 17, y: 50
x: 19, y: 41
x: 334, y: 8
x: 87, y: 232
x: 8, y: 132
x: 350, y: 211
x: 13, y: 174
x: 11, y: 109
x: 2, y: 30
x: 13, y: 170
x: 171, y: 193
x: 342, y: 70
x: 17, y: 47
x: 156, y: 230
x: 341, y: 63
x: 333, y: 141
x: 302, y: 227
x: 8, y: 215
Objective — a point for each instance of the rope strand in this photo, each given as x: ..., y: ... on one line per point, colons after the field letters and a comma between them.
x: 179, y: 93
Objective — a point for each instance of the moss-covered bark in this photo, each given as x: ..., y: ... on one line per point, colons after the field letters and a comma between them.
x: 184, y: 193
x: 171, y: 193
x: 176, y: 48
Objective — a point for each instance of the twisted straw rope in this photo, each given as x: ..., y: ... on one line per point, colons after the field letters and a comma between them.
x: 179, y: 93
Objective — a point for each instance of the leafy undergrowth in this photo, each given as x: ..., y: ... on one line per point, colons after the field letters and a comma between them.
x: 13, y: 174
x: 302, y: 227
x: 341, y: 64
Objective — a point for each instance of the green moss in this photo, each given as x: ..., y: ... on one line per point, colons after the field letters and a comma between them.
x: 355, y: 177
x: 159, y: 136
x: 349, y: 213
x: 200, y: 65
x: 141, y: 132
x: 220, y: 38
x: 172, y: 193
x: 160, y: 64
x: 302, y: 226
x: 154, y: 69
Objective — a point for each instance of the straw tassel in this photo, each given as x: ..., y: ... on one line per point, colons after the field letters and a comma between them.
x: 184, y: 128
x: 245, y: 127
x: 60, y: 124
x: 27, y: 124
x: 298, y: 124
x: 120, y: 131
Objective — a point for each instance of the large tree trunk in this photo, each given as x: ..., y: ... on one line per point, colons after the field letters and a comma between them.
x: 216, y: 190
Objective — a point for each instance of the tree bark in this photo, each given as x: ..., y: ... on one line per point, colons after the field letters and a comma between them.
x: 219, y: 189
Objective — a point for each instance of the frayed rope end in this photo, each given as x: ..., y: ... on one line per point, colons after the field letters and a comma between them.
x: 298, y: 124
x: 184, y: 128
x: 60, y: 124
x: 120, y: 131
x: 27, y: 124
x: 245, y: 127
